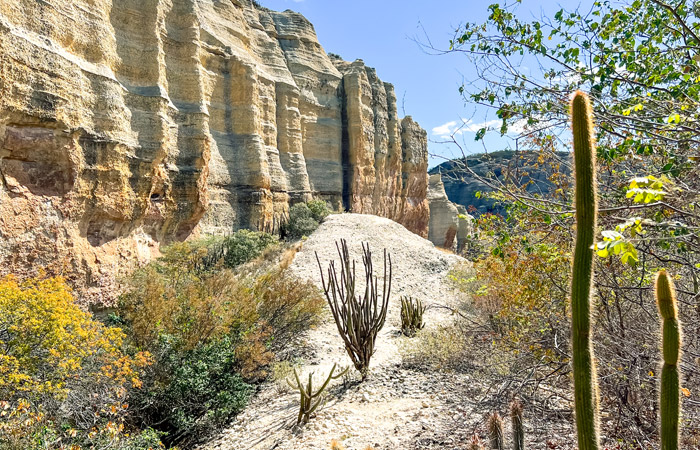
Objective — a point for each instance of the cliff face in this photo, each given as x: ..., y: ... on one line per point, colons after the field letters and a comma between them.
x: 125, y: 125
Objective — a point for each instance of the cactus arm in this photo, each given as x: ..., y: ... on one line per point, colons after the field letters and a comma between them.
x: 585, y: 385
x: 341, y: 373
x: 323, y: 387
x: 313, y: 408
x: 669, y: 400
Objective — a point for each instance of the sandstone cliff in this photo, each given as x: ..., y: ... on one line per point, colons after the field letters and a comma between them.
x: 128, y: 124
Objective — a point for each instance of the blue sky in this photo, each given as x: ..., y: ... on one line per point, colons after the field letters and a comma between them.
x: 382, y: 33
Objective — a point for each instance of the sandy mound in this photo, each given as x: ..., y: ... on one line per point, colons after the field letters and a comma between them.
x: 394, y: 406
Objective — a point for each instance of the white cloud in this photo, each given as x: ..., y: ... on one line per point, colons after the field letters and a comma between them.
x: 474, y: 127
x: 517, y: 127
x: 444, y: 130
x: 455, y: 128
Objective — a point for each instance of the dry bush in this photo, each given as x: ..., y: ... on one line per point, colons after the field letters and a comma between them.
x: 520, y: 292
x: 336, y: 445
x: 524, y: 294
x: 286, y: 304
x: 442, y: 348
x: 162, y: 299
x: 213, y: 334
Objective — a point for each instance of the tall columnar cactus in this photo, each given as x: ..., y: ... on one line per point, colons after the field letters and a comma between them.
x: 671, y: 349
x: 358, y: 317
x: 516, y: 419
x: 585, y: 384
x: 494, y: 426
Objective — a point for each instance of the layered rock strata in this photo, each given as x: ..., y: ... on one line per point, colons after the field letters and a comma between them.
x: 127, y: 125
x: 450, y: 225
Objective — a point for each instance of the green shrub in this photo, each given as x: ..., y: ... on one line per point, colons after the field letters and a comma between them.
x: 304, y: 218
x: 192, y: 392
x: 232, y: 251
x: 319, y: 210
x: 244, y: 246
x: 301, y: 222
x: 212, y: 335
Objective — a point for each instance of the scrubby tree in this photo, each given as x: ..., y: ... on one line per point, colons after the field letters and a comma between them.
x: 640, y: 63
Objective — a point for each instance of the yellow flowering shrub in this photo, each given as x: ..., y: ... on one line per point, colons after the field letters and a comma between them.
x: 58, y: 366
x: 47, y: 342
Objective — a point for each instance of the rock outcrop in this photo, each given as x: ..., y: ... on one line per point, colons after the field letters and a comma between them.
x: 447, y: 229
x: 127, y: 125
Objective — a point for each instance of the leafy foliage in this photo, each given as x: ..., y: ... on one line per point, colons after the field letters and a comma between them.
x: 191, y: 392
x: 319, y: 210
x: 239, y: 248
x: 212, y: 334
x: 65, y: 376
x: 639, y: 62
x: 304, y: 218
x: 523, y: 290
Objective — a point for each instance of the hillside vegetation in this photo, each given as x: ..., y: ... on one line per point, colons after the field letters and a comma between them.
x: 569, y: 320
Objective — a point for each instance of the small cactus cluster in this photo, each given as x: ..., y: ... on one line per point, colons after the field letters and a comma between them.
x: 585, y: 383
x: 494, y: 429
x: 309, y: 400
x: 411, y: 316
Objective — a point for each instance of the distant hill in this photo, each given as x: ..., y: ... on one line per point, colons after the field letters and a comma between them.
x: 523, y: 167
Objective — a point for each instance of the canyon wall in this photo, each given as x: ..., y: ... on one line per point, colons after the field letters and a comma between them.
x: 126, y: 125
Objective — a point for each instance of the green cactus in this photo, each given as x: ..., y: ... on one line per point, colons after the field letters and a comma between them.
x: 357, y: 317
x: 309, y: 400
x: 411, y: 316
x: 516, y: 418
x: 671, y: 349
x: 494, y: 426
x: 585, y: 384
